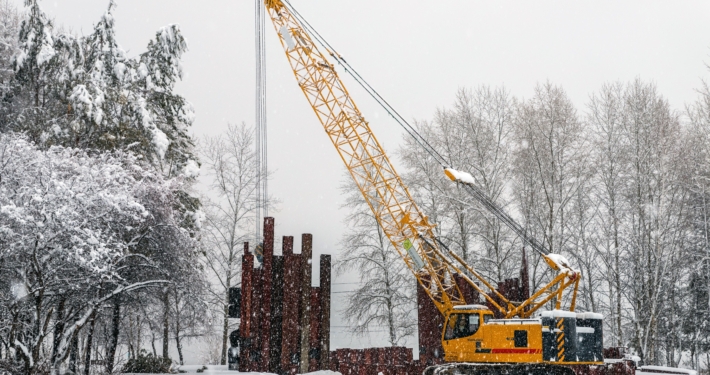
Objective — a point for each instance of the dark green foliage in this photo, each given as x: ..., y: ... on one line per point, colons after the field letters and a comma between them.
x: 146, y: 364
x: 84, y: 92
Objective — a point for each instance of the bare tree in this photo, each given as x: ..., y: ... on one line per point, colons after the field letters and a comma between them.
x: 474, y: 135
x: 548, y: 155
x: 697, y: 326
x: 386, y: 297
x: 656, y: 205
x: 230, y: 163
x: 605, y: 117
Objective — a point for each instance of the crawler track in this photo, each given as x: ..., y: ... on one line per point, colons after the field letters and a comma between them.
x: 497, y: 369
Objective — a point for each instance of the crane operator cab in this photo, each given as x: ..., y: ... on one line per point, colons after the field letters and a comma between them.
x: 471, y: 334
x: 465, y: 324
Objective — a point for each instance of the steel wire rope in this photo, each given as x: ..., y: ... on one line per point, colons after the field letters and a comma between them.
x: 473, y: 190
x: 369, y: 89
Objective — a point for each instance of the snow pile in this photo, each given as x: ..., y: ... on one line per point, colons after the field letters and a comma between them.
x: 461, y: 176
x: 223, y: 370
x: 558, y: 314
x: 563, y: 264
x: 656, y: 370
x: 191, y: 169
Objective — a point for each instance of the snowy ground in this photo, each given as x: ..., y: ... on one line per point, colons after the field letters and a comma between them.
x: 222, y: 370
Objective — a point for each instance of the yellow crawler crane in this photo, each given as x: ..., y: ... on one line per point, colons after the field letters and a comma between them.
x: 474, y: 342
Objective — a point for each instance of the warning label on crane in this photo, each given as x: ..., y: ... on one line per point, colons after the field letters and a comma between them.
x: 413, y: 255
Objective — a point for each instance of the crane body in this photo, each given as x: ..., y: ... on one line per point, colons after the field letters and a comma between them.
x: 473, y: 341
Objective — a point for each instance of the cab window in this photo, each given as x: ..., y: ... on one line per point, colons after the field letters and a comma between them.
x: 462, y: 325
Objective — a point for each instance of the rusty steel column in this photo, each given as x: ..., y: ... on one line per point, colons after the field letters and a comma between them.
x: 291, y: 288
x: 277, y: 283
x: 245, y: 323
x: 469, y: 294
x: 431, y: 324
x: 325, y: 280
x: 256, y: 316
x: 524, y: 279
x: 313, y: 346
x: 265, y: 298
x: 306, y: 256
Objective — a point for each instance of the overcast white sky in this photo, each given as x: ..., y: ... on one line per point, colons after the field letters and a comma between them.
x: 417, y: 54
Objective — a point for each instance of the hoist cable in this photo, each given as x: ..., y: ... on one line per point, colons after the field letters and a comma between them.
x: 473, y: 190
x: 369, y: 89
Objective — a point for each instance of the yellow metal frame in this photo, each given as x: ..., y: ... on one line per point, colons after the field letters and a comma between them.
x: 400, y: 218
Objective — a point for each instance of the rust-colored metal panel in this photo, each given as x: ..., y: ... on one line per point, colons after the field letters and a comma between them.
x: 314, y: 339
x: 265, y: 297
x: 256, y: 316
x: 277, y: 284
x: 306, y: 281
x: 245, y: 314
x: 467, y: 291
x: 290, y: 324
x: 524, y: 279
x: 325, y: 282
x: 431, y: 324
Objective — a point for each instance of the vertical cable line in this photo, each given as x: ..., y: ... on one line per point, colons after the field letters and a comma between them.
x: 261, y: 190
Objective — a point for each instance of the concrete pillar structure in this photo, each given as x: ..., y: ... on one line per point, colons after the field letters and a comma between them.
x: 256, y: 316
x: 467, y: 291
x: 285, y: 322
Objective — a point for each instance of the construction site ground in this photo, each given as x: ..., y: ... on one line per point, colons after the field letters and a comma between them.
x: 222, y: 370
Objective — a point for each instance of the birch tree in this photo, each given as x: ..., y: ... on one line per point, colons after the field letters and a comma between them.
x: 605, y: 116
x: 385, y: 297
x: 548, y: 166
x: 474, y: 135
x: 230, y: 164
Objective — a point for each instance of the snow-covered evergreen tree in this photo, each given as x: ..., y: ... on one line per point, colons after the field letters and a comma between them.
x: 85, y: 92
x: 10, y: 20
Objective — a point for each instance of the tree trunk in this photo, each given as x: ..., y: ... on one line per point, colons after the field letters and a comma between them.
x: 225, y: 314
x: 58, y: 332
x: 113, y: 339
x: 225, y: 332
x: 179, y: 348
x: 166, y: 323
x: 73, y: 352
x: 177, y: 329
x: 89, y: 339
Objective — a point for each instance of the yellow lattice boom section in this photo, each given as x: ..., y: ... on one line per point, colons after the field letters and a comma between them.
x: 401, y: 220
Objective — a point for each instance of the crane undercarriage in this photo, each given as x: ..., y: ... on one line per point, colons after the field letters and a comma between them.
x: 498, y: 369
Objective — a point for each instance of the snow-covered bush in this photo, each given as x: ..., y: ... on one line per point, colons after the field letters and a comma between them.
x: 78, y: 229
